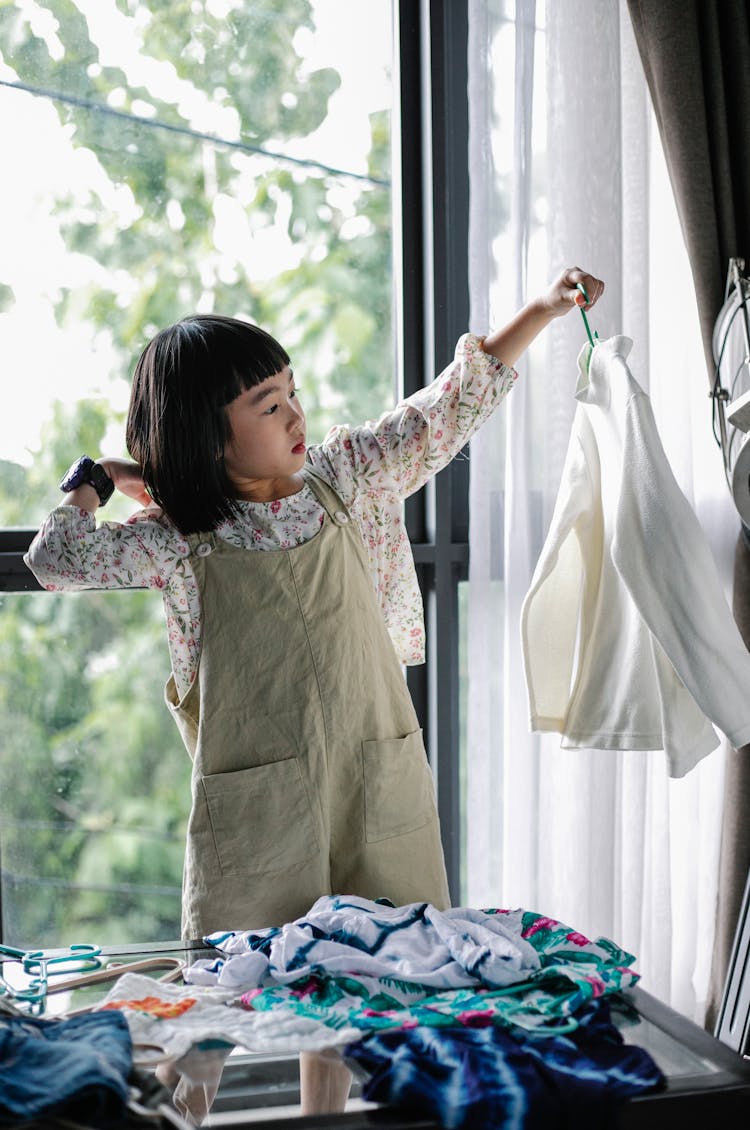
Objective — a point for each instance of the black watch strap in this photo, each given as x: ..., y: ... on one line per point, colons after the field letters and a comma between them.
x: 101, y: 482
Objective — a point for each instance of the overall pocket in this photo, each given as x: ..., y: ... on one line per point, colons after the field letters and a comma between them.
x: 260, y: 818
x: 399, y: 790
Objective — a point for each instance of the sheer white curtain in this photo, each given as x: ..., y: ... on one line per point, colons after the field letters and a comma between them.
x: 566, y: 169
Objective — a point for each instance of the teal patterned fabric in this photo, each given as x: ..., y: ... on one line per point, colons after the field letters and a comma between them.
x: 573, y: 972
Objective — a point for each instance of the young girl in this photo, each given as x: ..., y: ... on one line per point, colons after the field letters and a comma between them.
x: 291, y: 603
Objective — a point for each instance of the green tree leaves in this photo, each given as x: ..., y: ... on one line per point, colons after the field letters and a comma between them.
x: 185, y: 207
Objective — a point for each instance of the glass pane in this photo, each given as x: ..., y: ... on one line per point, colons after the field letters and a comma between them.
x: 236, y: 161
x: 94, y: 779
x: 166, y: 159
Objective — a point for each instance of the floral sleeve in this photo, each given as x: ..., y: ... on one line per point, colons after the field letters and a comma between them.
x: 71, y: 552
x: 405, y: 447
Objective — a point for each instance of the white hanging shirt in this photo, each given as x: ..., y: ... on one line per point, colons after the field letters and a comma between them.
x: 628, y: 640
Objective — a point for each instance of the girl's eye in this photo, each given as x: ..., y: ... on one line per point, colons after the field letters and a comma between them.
x: 292, y: 393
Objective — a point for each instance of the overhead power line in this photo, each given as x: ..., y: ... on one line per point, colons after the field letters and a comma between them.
x: 185, y: 131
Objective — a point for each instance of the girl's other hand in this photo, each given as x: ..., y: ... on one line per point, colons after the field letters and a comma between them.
x: 127, y: 478
x: 564, y: 295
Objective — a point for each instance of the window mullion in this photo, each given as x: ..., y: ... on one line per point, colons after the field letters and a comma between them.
x: 433, y: 66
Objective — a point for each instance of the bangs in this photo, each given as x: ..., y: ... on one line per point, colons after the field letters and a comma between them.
x: 237, y: 355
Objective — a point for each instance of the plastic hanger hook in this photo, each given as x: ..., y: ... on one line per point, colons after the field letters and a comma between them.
x: 595, y: 337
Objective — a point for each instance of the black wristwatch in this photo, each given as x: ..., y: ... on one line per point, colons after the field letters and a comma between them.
x: 85, y: 470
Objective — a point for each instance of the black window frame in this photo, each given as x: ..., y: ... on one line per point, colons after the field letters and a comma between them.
x: 431, y: 285
x: 434, y: 288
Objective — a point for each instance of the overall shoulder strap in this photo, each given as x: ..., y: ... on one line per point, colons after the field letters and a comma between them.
x: 326, y: 495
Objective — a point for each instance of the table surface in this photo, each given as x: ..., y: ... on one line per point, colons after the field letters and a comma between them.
x: 705, y: 1078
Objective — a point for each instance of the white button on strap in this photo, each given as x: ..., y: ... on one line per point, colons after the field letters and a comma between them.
x: 203, y: 549
x: 341, y: 517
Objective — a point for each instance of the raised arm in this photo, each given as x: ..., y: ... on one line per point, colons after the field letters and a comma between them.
x: 514, y: 339
x: 405, y: 447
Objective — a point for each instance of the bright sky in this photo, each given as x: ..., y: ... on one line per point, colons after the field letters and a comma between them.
x: 39, y: 360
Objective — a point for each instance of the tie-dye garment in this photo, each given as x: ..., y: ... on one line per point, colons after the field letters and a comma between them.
x: 355, y: 963
x: 345, y: 934
x: 507, y: 1079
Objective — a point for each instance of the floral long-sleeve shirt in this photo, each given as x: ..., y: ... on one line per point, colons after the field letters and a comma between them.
x: 373, y: 468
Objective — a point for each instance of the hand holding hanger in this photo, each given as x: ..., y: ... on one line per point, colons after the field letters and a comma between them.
x: 574, y: 287
x: 561, y: 297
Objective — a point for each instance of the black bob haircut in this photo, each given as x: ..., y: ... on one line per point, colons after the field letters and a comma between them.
x: 177, y: 427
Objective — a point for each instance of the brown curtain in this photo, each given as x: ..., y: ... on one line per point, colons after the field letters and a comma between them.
x: 696, y: 56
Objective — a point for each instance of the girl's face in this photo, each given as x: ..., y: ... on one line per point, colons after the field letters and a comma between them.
x: 266, y: 447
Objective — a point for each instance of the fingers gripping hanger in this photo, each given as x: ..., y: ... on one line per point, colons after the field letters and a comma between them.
x: 594, y: 339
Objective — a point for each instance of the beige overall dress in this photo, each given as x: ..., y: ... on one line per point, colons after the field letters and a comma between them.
x: 309, y: 771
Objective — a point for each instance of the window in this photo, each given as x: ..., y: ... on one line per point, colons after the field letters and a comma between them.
x: 239, y: 162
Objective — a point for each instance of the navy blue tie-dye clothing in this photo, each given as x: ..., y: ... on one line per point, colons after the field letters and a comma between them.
x: 493, y: 1078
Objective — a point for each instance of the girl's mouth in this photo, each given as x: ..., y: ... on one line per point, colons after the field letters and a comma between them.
x: 299, y: 449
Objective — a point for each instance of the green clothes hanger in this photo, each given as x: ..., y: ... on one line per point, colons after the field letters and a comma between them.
x: 595, y: 338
